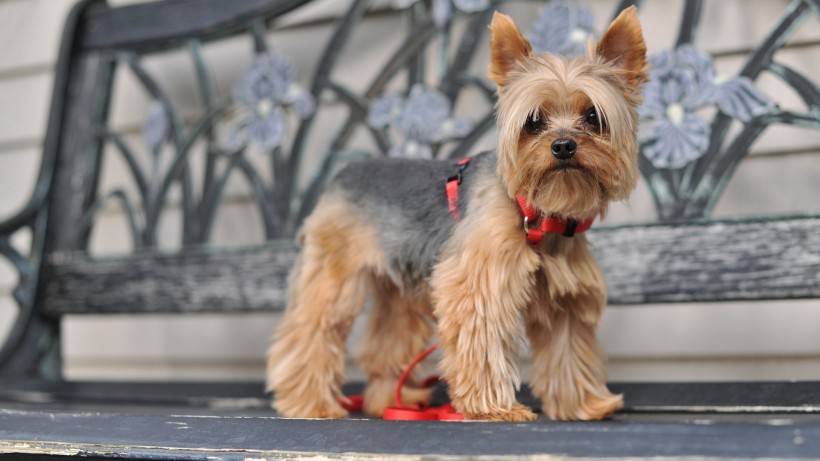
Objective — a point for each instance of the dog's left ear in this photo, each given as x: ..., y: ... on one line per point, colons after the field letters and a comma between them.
x: 623, y: 46
x: 507, y: 47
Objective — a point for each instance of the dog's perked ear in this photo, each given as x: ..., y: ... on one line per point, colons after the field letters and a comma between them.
x: 507, y: 47
x: 624, y: 47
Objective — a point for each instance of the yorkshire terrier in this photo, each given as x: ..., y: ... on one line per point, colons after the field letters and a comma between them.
x: 481, y: 253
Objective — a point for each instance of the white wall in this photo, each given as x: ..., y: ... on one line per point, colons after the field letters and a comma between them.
x: 728, y: 341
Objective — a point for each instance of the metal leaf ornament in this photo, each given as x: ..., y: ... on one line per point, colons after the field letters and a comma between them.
x: 738, y: 98
x: 562, y: 29
x: 263, y: 94
x: 422, y: 119
x: 681, y: 82
x: 157, y: 128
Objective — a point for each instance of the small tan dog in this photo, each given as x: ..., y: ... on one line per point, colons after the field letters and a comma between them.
x: 483, y: 264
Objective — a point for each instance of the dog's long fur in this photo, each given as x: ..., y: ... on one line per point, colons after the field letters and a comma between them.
x: 382, y: 231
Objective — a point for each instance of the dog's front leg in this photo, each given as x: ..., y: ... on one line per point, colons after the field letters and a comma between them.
x: 480, y: 290
x: 568, y: 370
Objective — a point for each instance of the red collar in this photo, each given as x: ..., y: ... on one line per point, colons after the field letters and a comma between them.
x: 536, y: 225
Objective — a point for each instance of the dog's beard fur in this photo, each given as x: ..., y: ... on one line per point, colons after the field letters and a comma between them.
x: 560, y: 92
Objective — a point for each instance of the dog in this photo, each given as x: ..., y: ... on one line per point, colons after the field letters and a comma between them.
x: 484, y: 253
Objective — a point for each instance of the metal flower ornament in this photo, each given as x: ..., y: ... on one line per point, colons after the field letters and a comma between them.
x: 262, y: 96
x: 563, y: 29
x: 682, y: 82
x: 421, y: 120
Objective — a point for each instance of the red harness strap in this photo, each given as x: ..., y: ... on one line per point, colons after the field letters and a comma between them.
x: 536, y: 225
x: 453, y: 182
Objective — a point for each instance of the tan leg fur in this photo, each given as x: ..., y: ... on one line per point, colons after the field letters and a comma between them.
x: 400, y: 327
x: 568, y: 371
x: 480, y: 290
x: 336, y: 271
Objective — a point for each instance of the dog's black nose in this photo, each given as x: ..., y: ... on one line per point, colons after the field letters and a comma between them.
x: 564, y: 148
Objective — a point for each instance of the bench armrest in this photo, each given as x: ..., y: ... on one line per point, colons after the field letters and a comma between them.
x: 37, y: 201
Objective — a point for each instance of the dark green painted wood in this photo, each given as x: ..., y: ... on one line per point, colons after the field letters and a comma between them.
x: 249, y: 397
x: 71, y: 163
x: 157, y: 25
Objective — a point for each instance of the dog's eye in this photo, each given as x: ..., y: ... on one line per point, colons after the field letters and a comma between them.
x: 592, y: 120
x: 535, y: 123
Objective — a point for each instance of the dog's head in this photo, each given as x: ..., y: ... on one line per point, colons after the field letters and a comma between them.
x: 567, y: 128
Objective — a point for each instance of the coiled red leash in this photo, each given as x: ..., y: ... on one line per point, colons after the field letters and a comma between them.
x: 402, y: 412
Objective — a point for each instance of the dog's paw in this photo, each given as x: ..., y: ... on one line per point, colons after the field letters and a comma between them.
x: 517, y: 414
x: 381, y: 393
x: 594, y: 407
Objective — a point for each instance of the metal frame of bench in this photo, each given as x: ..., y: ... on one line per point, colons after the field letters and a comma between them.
x: 778, y: 258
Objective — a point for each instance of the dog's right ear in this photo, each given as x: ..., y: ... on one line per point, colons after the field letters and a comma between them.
x: 507, y: 47
x: 623, y: 46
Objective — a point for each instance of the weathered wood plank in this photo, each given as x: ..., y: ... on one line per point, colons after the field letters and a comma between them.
x: 169, y: 436
x: 718, y: 261
x: 764, y: 259
x: 197, y: 280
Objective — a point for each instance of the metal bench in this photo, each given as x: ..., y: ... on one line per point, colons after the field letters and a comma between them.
x: 685, y: 257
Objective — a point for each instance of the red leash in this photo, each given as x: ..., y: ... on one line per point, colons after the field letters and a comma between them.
x: 402, y: 412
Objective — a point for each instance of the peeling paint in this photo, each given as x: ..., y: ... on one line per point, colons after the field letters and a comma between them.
x: 238, y: 403
x: 780, y: 422
x: 178, y: 424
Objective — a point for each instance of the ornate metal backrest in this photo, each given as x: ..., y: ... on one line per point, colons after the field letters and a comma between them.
x: 686, y: 160
x: 406, y: 109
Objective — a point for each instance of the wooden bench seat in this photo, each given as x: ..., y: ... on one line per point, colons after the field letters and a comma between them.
x: 183, y: 421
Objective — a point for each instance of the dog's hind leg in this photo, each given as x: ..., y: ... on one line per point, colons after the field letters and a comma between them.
x: 399, y: 328
x: 328, y: 288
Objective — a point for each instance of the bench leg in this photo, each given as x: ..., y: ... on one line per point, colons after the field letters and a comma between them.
x: 32, y: 348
